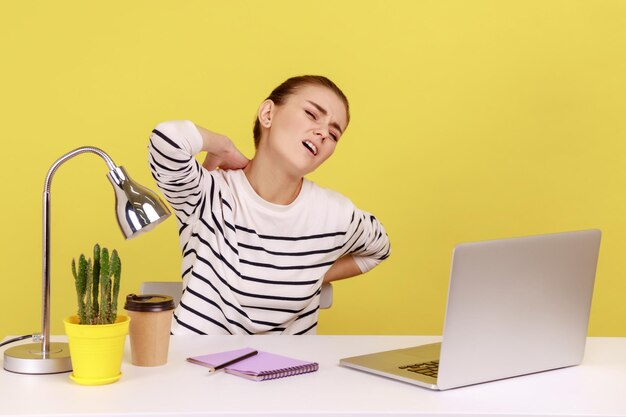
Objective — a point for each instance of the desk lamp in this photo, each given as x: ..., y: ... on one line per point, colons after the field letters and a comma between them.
x: 138, y: 210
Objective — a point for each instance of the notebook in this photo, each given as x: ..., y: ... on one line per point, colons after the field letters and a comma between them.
x: 515, y: 306
x: 260, y: 367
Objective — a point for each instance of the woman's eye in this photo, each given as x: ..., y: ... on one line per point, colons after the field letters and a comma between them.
x: 310, y: 114
x: 334, y: 137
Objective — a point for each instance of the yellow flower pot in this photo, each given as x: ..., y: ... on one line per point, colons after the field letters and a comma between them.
x: 96, y: 350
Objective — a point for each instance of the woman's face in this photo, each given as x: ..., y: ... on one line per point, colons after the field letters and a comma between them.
x: 304, y: 130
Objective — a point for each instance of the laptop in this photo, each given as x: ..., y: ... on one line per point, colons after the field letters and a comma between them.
x: 515, y: 307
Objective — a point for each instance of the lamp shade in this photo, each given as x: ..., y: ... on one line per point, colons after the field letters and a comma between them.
x: 138, y: 209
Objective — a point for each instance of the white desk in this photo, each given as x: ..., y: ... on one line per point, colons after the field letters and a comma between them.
x: 597, y: 387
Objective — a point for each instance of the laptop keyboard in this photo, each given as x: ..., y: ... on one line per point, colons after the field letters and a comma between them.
x: 426, y: 368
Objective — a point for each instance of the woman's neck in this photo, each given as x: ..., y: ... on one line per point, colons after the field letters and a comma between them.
x: 272, y: 185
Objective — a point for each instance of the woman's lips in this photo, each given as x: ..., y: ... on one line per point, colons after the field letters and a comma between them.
x: 310, y: 146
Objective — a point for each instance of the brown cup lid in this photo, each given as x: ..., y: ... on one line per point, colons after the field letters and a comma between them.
x: 149, y: 302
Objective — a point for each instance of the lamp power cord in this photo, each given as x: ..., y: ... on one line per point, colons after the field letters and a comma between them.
x: 37, y: 337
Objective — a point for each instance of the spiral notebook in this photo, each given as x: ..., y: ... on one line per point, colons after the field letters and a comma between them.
x: 259, y: 367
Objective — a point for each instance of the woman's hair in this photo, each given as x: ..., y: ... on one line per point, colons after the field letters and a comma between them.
x: 280, y: 94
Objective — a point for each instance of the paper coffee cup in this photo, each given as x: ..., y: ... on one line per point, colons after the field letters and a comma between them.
x: 151, y: 319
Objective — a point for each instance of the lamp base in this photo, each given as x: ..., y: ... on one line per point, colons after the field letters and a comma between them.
x: 28, y: 359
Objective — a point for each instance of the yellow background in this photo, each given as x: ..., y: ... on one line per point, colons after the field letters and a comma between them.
x: 471, y: 120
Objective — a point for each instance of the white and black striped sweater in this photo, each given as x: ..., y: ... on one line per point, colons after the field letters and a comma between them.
x: 250, y: 266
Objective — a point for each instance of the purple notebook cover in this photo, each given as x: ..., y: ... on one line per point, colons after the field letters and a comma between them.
x: 261, y: 364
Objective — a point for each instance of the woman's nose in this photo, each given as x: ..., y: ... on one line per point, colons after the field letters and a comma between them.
x: 322, y: 133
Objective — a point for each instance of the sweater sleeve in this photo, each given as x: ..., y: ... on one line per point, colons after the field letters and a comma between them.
x: 367, y: 242
x: 178, y: 175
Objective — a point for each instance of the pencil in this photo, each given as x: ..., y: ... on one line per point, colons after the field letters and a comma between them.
x: 232, y: 361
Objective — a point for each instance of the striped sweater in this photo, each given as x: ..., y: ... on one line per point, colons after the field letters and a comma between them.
x: 250, y: 266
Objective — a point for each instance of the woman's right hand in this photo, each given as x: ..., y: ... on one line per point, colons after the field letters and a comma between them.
x: 229, y: 159
x: 221, y: 152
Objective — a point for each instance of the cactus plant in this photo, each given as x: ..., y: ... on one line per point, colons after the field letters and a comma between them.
x: 100, y: 279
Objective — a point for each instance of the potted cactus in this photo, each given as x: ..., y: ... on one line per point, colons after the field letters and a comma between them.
x: 96, y: 327
x: 103, y: 277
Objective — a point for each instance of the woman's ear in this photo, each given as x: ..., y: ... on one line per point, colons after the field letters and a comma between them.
x: 266, y: 112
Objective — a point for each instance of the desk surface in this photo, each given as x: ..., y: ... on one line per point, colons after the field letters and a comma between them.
x: 597, y: 387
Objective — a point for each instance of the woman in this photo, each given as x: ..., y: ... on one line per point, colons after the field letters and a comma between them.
x: 258, y: 239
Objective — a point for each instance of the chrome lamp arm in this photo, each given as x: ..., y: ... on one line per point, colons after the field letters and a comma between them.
x: 45, y: 297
